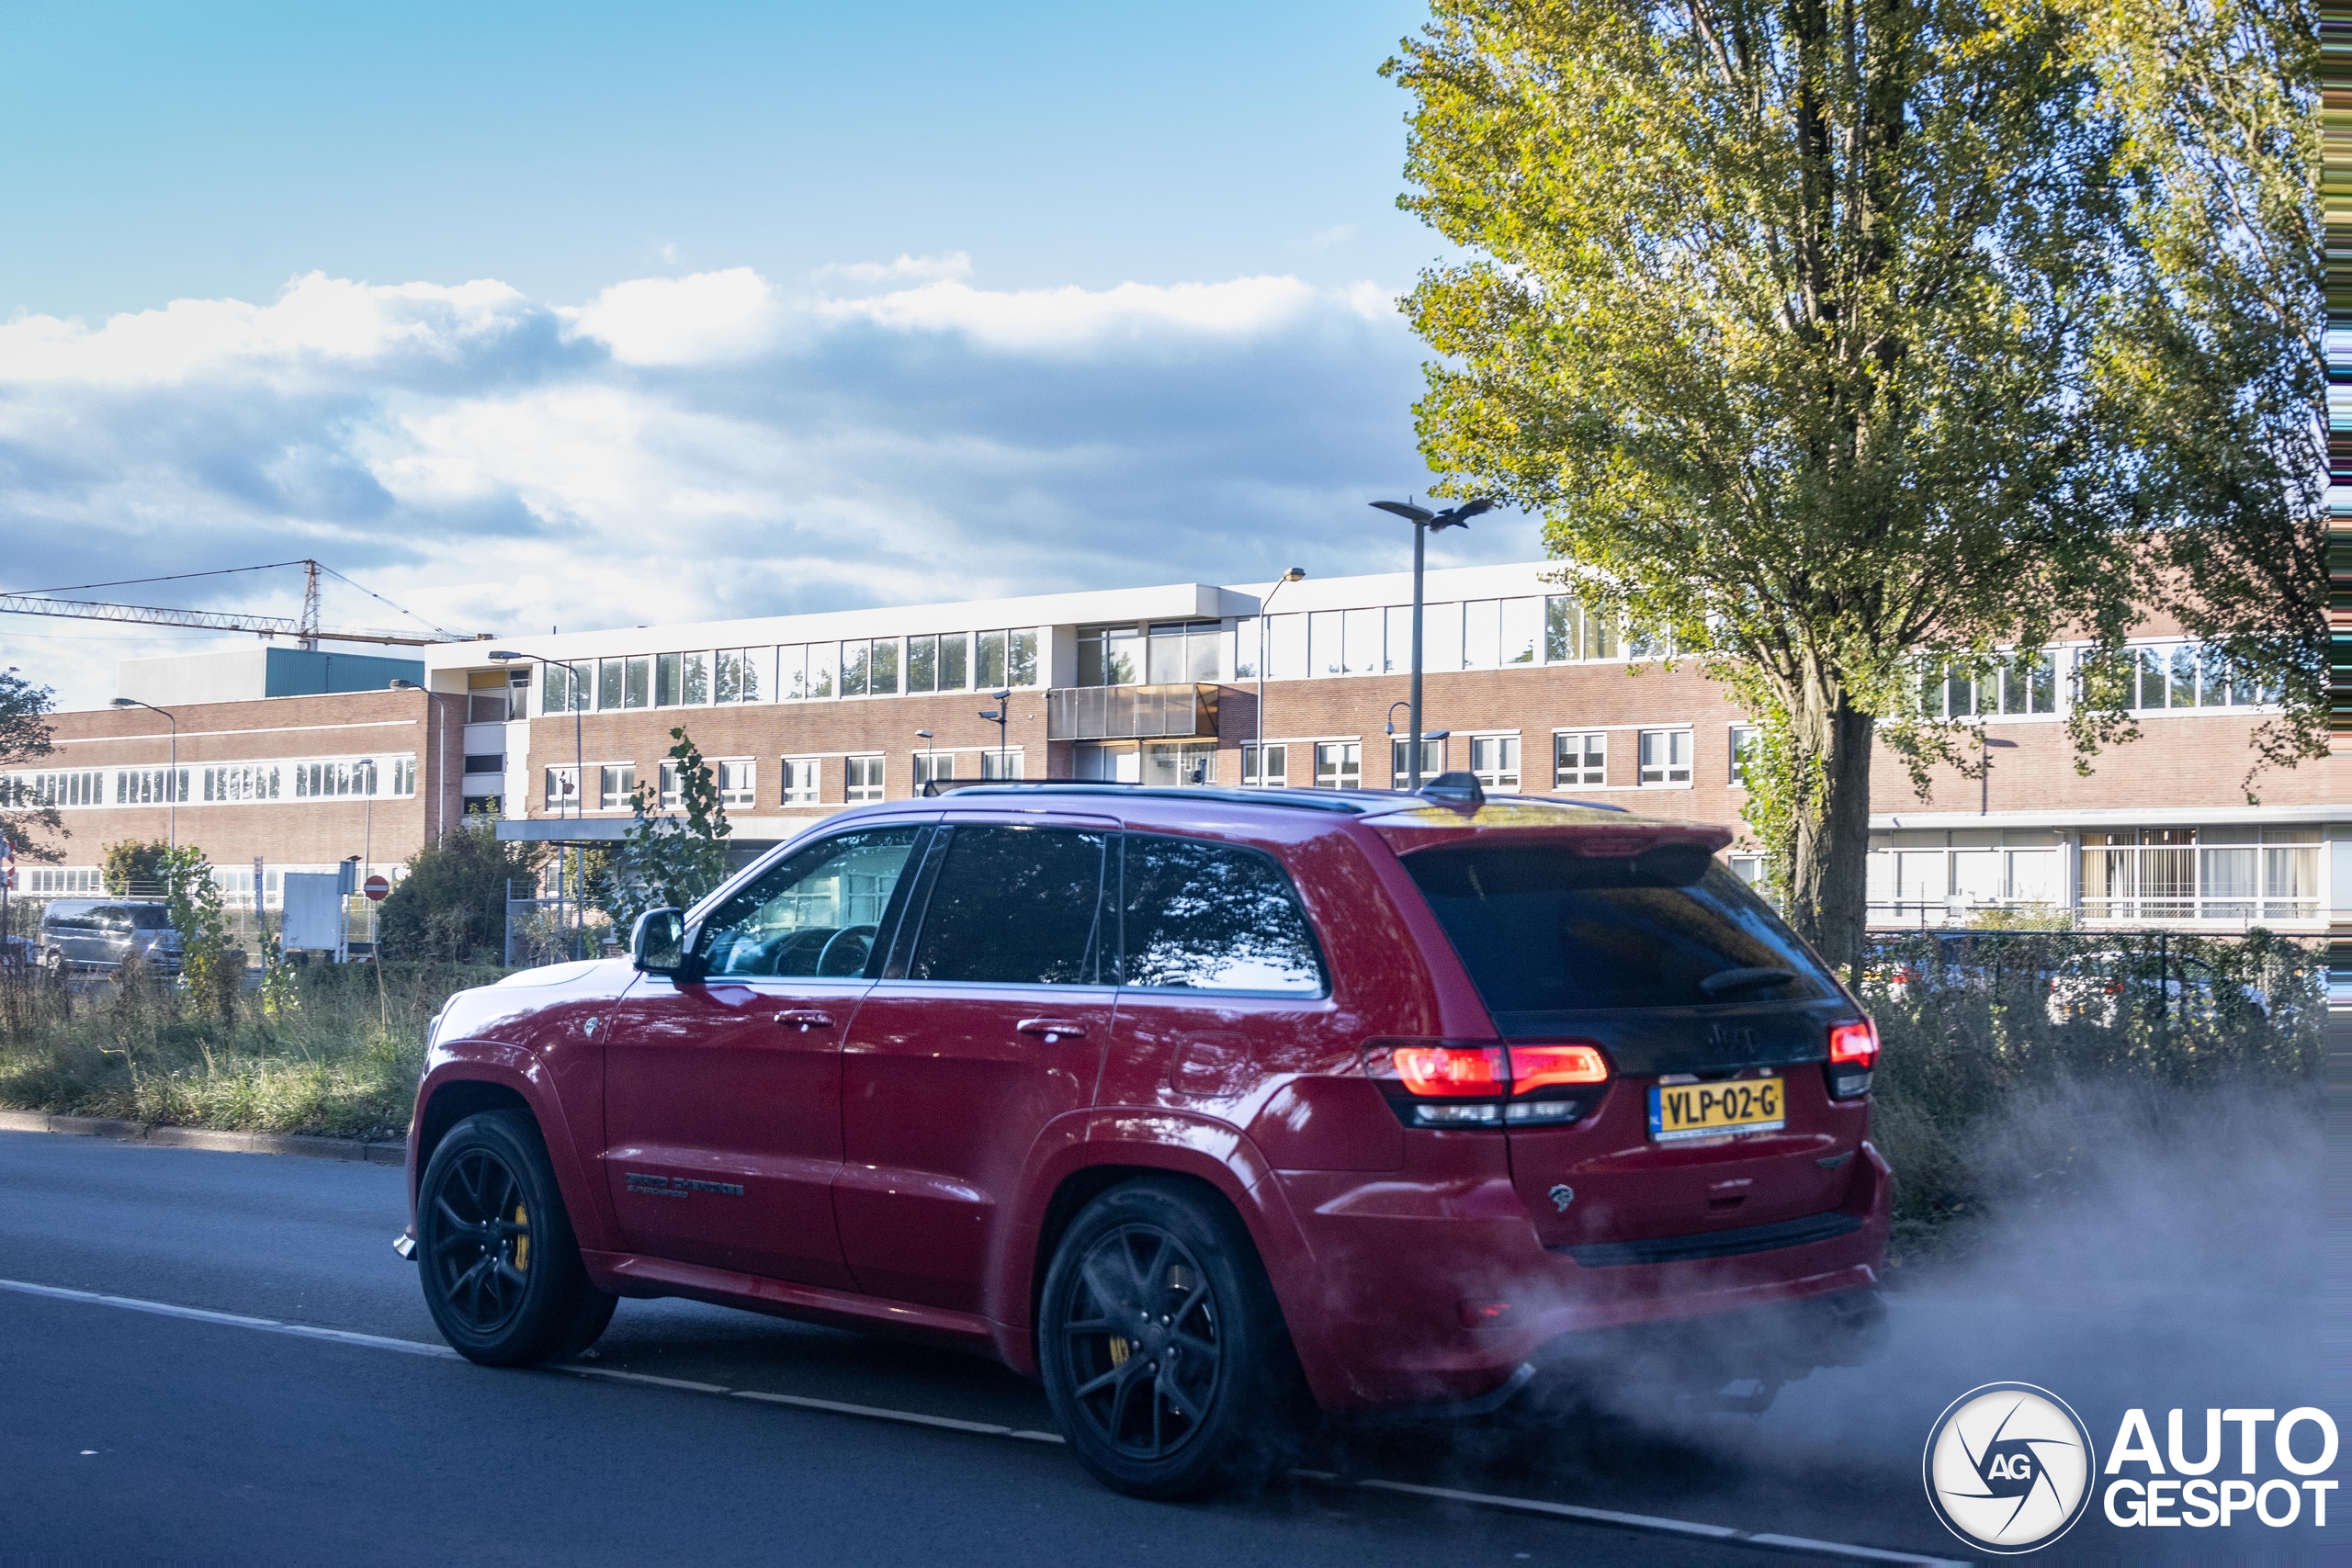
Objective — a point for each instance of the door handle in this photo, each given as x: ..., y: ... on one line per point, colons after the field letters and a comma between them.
x: 1053, y: 1029
x: 807, y: 1017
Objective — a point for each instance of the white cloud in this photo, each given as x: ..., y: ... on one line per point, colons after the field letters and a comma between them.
x: 1057, y: 319
x: 949, y: 264
x: 702, y: 317
x: 697, y: 446
x: 316, y: 323
x: 1338, y: 234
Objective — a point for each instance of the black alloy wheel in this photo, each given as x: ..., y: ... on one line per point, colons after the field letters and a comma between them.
x: 1140, y: 1342
x: 481, y: 1249
x: 501, y: 1271
x: 1163, y: 1350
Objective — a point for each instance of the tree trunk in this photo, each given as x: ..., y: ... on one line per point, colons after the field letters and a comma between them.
x: 1830, y: 746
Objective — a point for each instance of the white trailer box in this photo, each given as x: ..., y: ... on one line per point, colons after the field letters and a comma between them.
x: 314, y: 911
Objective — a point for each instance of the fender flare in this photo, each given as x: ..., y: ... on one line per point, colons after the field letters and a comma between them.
x: 520, y: 1070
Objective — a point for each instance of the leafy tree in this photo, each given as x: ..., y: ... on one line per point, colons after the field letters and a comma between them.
x: 2217, y: 373
x: 24, y: 737
x: 132, y: 861
x: 670, y: 860
x: 1778, y: 310
x: 452, y: 903
x: 212, y: 963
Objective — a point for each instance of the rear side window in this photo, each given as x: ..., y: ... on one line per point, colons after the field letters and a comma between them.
x: 1215, y: 917
x: 151, y: 917
x: 1542, y: 930
x: 1015, y: 906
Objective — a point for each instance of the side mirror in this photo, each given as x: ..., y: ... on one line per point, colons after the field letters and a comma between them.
x: 657, y: 944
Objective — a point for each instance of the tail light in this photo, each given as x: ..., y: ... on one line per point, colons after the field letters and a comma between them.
x: 1444, y: 1083
x: 1853, y: 1057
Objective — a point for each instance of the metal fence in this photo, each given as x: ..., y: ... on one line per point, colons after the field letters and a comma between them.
x: 550, y: 930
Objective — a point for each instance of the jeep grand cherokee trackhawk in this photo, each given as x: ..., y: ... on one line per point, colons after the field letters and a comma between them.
x: 1206, y: 1107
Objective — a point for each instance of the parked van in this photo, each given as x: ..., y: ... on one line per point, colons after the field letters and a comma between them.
x: 98, y: 934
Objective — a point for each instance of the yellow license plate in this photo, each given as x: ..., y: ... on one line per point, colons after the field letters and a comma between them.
x: 1711, y: 1109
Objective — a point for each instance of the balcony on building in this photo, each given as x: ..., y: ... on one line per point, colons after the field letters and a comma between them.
x: 1131, y: 713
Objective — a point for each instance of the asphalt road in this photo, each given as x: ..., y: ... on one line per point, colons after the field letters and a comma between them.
x: 128, y: 1435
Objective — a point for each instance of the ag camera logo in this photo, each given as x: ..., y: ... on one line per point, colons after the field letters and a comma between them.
x: 2009, y: 1467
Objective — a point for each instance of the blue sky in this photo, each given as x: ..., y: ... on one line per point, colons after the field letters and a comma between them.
x: 583, y: 315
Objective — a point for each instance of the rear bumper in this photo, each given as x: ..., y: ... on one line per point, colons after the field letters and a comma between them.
x: 1383, y: 1322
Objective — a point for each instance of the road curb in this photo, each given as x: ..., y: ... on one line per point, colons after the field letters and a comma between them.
x: 205, y: 1138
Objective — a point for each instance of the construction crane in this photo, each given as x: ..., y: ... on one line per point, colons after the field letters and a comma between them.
x: 305, y: 629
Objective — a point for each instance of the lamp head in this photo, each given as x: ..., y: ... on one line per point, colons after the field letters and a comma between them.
x: 503, y: 656
x: 924, y: 733
x: 1295, y: 574
x: 126, y: 702
x: 999, y: 696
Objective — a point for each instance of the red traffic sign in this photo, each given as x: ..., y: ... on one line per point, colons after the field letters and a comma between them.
x: 375, y: 887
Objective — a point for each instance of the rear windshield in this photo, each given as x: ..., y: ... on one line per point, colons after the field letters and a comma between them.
x: 1542, y: 930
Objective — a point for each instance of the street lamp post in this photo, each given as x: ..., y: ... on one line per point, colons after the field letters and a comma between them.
x: 1425, y: 522
x: 1003, y: 704
x: 171, y: 779
x: 1292, y: 575
x: 1437, y: 735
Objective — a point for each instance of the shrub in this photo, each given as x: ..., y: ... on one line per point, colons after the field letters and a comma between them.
x: 451, y: 907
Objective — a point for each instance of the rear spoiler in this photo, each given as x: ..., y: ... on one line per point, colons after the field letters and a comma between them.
x: 1407, y: 833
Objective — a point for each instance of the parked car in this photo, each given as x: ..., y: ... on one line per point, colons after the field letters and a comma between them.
x: 2091, y: 987
x: 106, y: 934
x: 1206, y: 1107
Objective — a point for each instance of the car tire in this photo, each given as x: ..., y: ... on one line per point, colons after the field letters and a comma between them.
x: 1174, y: 1261
x: 501, y: 1270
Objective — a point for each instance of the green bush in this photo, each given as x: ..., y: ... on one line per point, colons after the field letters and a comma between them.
x: 1973, y: 1028
x: 451, y: 906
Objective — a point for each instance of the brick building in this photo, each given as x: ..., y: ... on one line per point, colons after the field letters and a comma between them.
x: 804, y: 714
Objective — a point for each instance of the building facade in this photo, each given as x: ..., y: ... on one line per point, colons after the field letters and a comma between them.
x: 1301, y: 684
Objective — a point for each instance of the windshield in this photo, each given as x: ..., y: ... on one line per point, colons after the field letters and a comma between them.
x: 1543, y: 930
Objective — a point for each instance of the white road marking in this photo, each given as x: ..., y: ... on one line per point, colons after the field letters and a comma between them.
x: 1646, y: 1522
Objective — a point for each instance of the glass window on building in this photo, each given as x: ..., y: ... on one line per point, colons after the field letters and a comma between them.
x: 1579, y: 759
x: 1185, y: 651
x: 2030, y: 687
x: 1522, y: 630
x: 1277, y: 764
x: 1339, y: 764
x: 1495, y: 759
x: 636, y: 689
x: 611, y: 676
x: 1574, y: 630
x: 955, y: 661
x: 990, y: 647
x: 616, y: 783
x: 1743, y: 736
x: 669, y: 680
x: 855, y: 657
x: 1001, y: 764
x: 934, y: 767
x: 865, y: 780
x: 738, y: 784
x: 562, y: 788
x: 2240, y: 874
x: 1286, y: 647
x: 668, y: 789
x: 799, y: 774
x: 1401, y: 762
x: 882, y: 668
x: 1186, y: 764
x: 729, y: 685
x: 825, y: 677
x: 1326, y: 650
x: 1665, y: 757
x: 1442, y: 637
x: 564, y: 687
x: 792, y: 672
x: 695, y: 684
x: 922, y: 664
x: 1359, y: 641
x: 1482, y: 634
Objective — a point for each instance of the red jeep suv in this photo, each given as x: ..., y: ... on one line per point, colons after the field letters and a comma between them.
x: 1206, y: 1107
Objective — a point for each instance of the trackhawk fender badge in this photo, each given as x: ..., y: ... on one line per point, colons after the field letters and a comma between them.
x: 1562, y: 1196
x: 678, y: 1186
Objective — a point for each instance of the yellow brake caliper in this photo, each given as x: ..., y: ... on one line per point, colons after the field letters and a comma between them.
x: 522, y: 1242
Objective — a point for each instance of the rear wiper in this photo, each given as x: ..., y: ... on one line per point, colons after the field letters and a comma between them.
x: 1725, y: 980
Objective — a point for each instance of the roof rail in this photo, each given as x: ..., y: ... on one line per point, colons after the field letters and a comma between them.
x: 1337, y: 801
